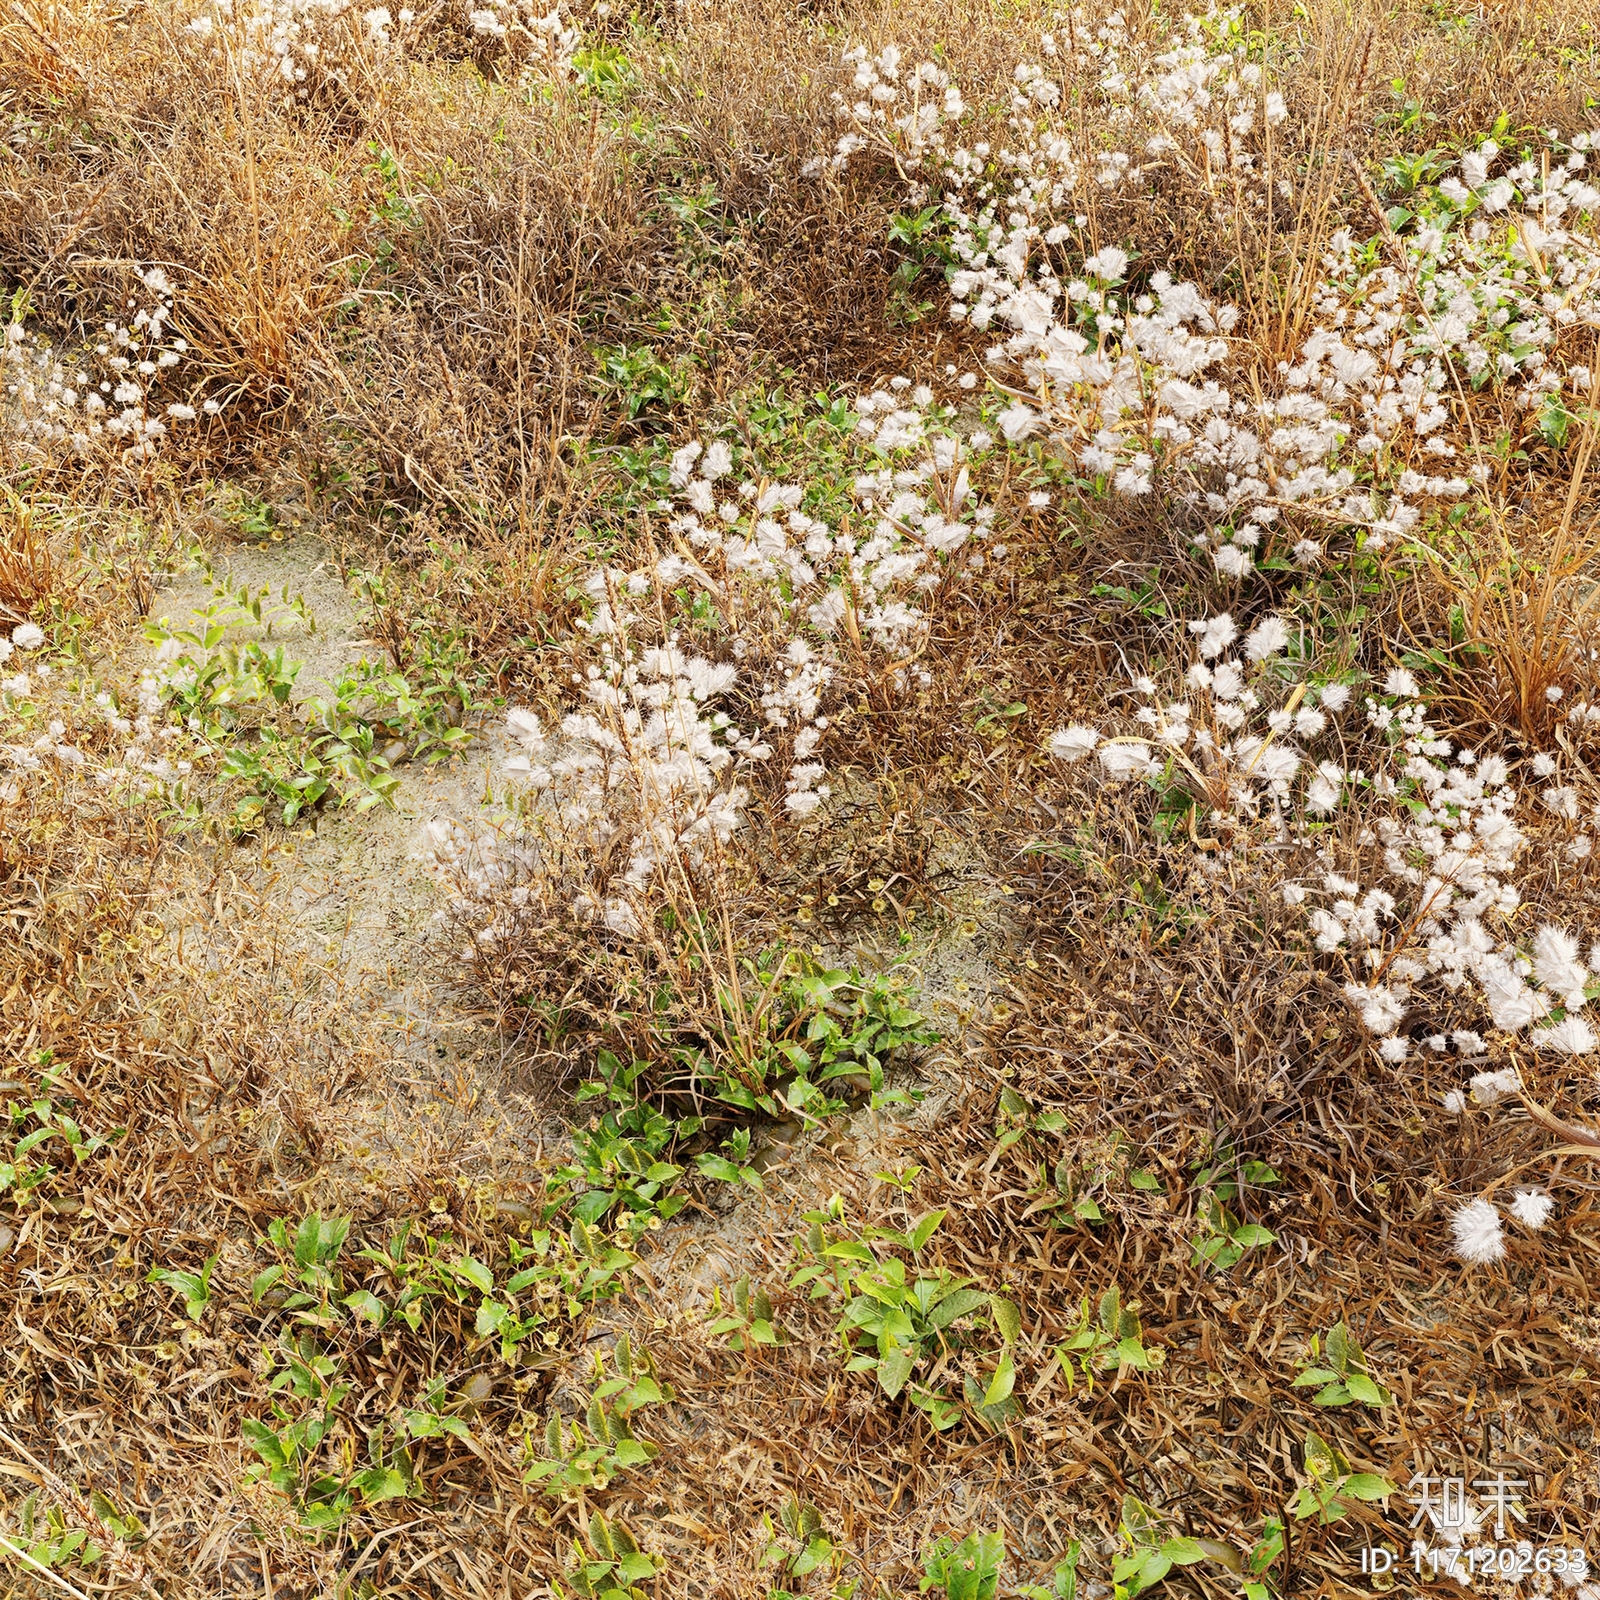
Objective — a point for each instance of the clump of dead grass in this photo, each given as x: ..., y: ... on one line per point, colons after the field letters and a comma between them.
x: 423, y: 335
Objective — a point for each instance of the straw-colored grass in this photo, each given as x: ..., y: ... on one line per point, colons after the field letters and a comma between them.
x: 404, y: 286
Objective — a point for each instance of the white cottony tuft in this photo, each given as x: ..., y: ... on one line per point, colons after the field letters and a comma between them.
x: 1073, y: 743
x: 683, y: 461
x: 524, y: 726
x: 29, y: 636
x: 1532, y: 1207
x: 1489, y: 1088
x: 1267, y: 638
x: 1380, y: 1008
x: 1126, y: 761
x: 1476, y: 1231
x: 1512, y: 1004
x: 1557, y: 966
x: 1018, y: 421
x: 1570, y: 1037
x: 1110, y: 263
x: 1215, y: 635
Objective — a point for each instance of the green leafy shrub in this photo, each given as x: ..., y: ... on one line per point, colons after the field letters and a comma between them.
x: 553, y: 1275
x: 236, y: 699
x: 1152, y: 1553
x: 289, y: 1441
x: 587, y: 1455
x: 804, y: 1549
x: 1110, y: 1337
x: 1344, y: 1379
x: 618, y: 1163
x: 966, y: 1571
x: 194, y: 1287
x: 897, y: 1315
x: 811, y: 1027
x: 750, y: 1320
x: 1222, y: 1239
x: 418, y: 1282
x: 1331, y: 1485
x: 51, y: 1543
x: 1063, y: 1581
x: 37, y: 1121
x: 641, y: 382
x: 608, y: 1564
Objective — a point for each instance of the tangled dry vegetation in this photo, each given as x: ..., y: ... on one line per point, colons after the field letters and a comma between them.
x: 1026, y: 959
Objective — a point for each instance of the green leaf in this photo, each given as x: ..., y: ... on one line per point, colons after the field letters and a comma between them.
x: 1366, y: 1486
x: 924, y: 1229
x: 1314, y: 1375
x: 851, y: 1250
x: 379, y: 1484
x: 1252, y: 1234
x: 305, y: 1240
x: 37, y: 1137
x: 1182, y: 1552
x: 264, y: 1281
x: 1007, y: 1318
x: 1339, y: 1347
x: 1132, y: 1353
x: 1151, y: 1567
x: 818, y: 1552
x: 368, y: 1305
x: 960, y: 1303
x: 1003, y: 1382
x: 264, y: 1442
x: 1366, y: 1391
x: 894, y: 1369
x: 1111, y: 1312
x: 1011, y: 1102
x: 1321, y: 1462
x: 1144, y: 1180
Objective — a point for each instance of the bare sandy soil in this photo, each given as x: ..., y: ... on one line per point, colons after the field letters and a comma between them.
x: 357, y: 905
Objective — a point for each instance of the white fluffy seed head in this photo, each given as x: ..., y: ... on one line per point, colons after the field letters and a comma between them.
x: 1073, y: 743
x: 1476, y: 1233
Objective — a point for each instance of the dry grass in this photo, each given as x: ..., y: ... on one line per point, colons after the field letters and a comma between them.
x: 414, y: 339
